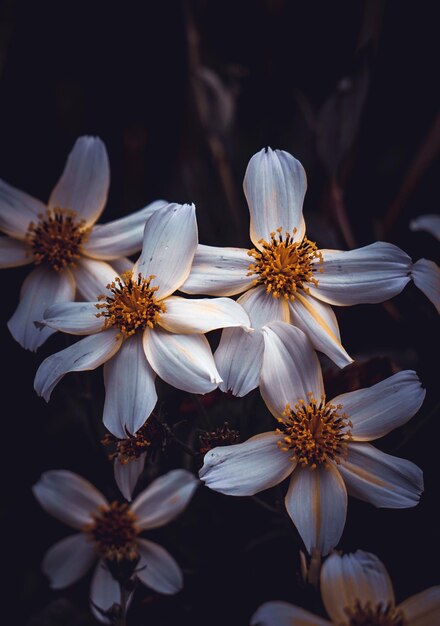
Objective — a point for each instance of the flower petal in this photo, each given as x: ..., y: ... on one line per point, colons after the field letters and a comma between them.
x: 41, y: 288
x: 263, y: 308
x: 127, y: 474
x: 219, y: 272
x: 346, y: 579
x: 86, y: 354
x: 426, y: 276
x: 430, y: 223
x: 121, y: 237
x: 238, y: 357
x: 319, y: 322
x: 379, y: 409
x: 14, y: 253
x: 92, y: 278
x: 76, y: 318
x: 290, y: 370
x: 280, y: 613
x: 317, y: 503
x: 68, y: 497
x: 164, y: 499
x: 157, y: 569
x: 68, y: 560
x: 201, y: 315
x: 104, y: 592
x: 370, y: 274
x: 422, y: 609
x: 381, y: 479
x: 17, y: 210
x: 130, y: 391
x: 275, y: 185
x: 244, y: 469
x: 84, y: 183
x: 169, y: 245
x: 183, y: 361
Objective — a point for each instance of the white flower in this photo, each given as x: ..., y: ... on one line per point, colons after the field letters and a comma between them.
x: 288, y: 278
x: 62, y: 240
x: 426, y: 273
x: 139, y: 329
x: 430, y: 223
x: 356, y: 589
x: 110, y: 533
x: 321, y: 445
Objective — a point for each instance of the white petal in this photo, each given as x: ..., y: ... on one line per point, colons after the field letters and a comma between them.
x: 244, y: 469
x: 130, y: 391
x: 426, y: 276
x: 319, y: 323
x: 86, y: 354
x: 219, y: 271
x: 92, y: 278
x: 280, y: 613
x: 127, y: 474
x: 104, y: 592
x: 84, y: 183
x: 379, y: 409
x: 275, y: 185
x: 17, y: 210
x: 121, y: 237
x: 157, y: 569
x: 14, y: 253
x: 290, y: 370
x: 263, y: 308
x: 41, y: 288
x: 430, y: 223
x: 122, y: 265
x: 68, y: 560
x: 422, y: 609
x: 238, y: 357
x: 201, y: 315
x: 164, y: 499
x: 169, y: 245
x: 360, y: 576
x: 371, y: 274
x: 381, y: 479
x: 68, y: 497
x: 76, y: 318
x: 183, y: 361
x: 317, y: 503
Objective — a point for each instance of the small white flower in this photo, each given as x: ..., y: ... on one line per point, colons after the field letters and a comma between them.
x: 356, y: 589
x: 62, y: 240
x: 321, y: 445
x: 110, y: 533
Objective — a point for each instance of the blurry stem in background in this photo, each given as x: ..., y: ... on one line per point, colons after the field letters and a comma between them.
x: 338, y: 210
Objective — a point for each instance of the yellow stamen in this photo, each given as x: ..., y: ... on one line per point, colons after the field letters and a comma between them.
x: 373, y: 615
x: 114, y: 532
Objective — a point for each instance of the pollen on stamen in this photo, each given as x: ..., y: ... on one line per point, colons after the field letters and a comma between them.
x: 113, y: 532
x: 374, y: 615
x: 151, y: 439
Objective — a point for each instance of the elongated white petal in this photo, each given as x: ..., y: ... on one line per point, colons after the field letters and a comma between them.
x: 130, y: 391
x: 319, y: 322
x: 122, y: 265
x: 244, y: 469
x: 219, y: 272
x: 86, y: 354
x: 68, y: 497
x: 430, y: 223
x: 263, y: 308
x: 371, y: 274
x: 290, y: 370
x: 104, y: 592
x: 121, y: 237
x: 350, y: 578
x: 157, y: 569
x: 68, y: 560
x: 275, y: 185
x: 17, y: 211
x: 164, y: 499
x: 84, y: 183
x: 381, y: 479
x: 317, y: 503
x: 238, y: 357
x: 92, y: 278
x: 280, y: 613
x: 42, y: 287
x: 379, y: 409
x: 426, y: 276
x: 76, y: 318
x: 183, y: 361
x: 422, y: 609
x: 200, y: 315
x: 127, y: 474
x: 169, y: 245
x: 14, y: 253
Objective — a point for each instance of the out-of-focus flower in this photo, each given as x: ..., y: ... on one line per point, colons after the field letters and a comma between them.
x: 429, y: 223
x: 426, y: 273
x: 139, y: 329
x: 289, y: 278
x: 322, y: 445
x: 356, y: 591
x: 110, y: 533
x: 62, y: 240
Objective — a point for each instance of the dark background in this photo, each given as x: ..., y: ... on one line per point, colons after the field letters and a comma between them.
x: 183, y: 94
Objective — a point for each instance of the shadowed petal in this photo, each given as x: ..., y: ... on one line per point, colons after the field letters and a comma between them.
x: 426, y: 276
x: 157, y: 569
x: 280, y: 613
x: 76, y: 318
x: 430, y: 223
x: 17, y: 210
x: 127, y: 474
x: 263, y: 308
x: 14, y: 253
x: 422, y: 609
x: 68, y: 560
x: 92, y: 278
x: 104, y: 592
x: 201, y: 315
x: 238, y: 357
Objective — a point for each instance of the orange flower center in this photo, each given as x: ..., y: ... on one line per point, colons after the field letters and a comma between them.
x: 373, y: 615
x: 114, y: 532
